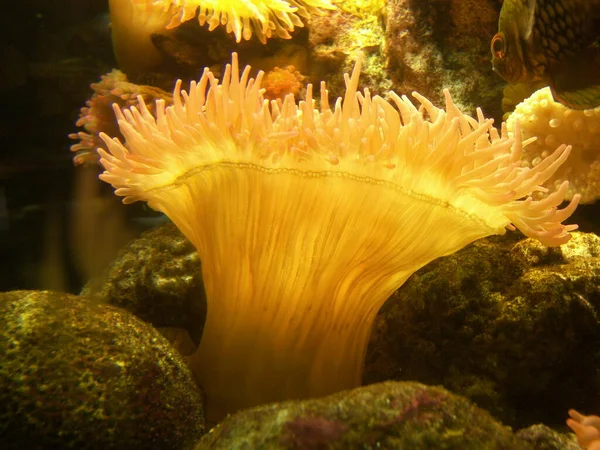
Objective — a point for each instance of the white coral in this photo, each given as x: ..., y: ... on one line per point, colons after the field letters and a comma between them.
x: 553, y: 124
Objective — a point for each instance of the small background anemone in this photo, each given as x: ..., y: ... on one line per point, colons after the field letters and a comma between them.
x: 97, y: 115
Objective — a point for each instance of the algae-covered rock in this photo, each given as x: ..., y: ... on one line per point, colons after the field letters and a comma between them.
x: 84, y: 375
x: 542, y: 437
x: 433, y: 44
x: 355, y: 30
x: 158, y: 278
x: 387, y: 416
x: 508, y: 323
x: 512, y: 325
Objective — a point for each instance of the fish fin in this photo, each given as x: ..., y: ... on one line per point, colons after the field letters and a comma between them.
x: 584, y: 98
x: 527, y: 19
x: 575, y: 82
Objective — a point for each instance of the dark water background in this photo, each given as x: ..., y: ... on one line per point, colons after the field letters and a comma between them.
x: 51, y: 52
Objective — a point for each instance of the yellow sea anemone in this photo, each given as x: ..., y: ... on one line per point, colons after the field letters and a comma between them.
x: 131, y: 34
x: 241, y: 17
x: 134, y: 21
x: 306, y: 220
x: 552, y: 124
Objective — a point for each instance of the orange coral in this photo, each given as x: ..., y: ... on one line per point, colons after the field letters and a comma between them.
x: 97, y: 115
x: 280, y: 82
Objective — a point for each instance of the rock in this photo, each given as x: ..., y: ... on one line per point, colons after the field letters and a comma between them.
x: 339, y: 37
x: 386, y: 415
x: 510, y: 324
x: 76, y: 373
x: 158, y: 278
x: 542, y: 437
x: 434, y: 44
x: 407, y: 46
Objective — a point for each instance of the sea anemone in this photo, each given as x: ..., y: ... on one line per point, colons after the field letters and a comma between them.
x: 552, y: 124
x: 131, y: 33
x: 279, y: 82
x: 587, y: 429
x: 306, y: 220
x: 133, y: 22
x: 98, y: 115
x: 241, y: 17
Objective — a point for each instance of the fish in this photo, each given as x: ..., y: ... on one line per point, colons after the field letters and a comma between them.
x: 556, y: 42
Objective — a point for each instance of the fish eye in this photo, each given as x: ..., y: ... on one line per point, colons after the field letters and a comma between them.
x: 497, y: 46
